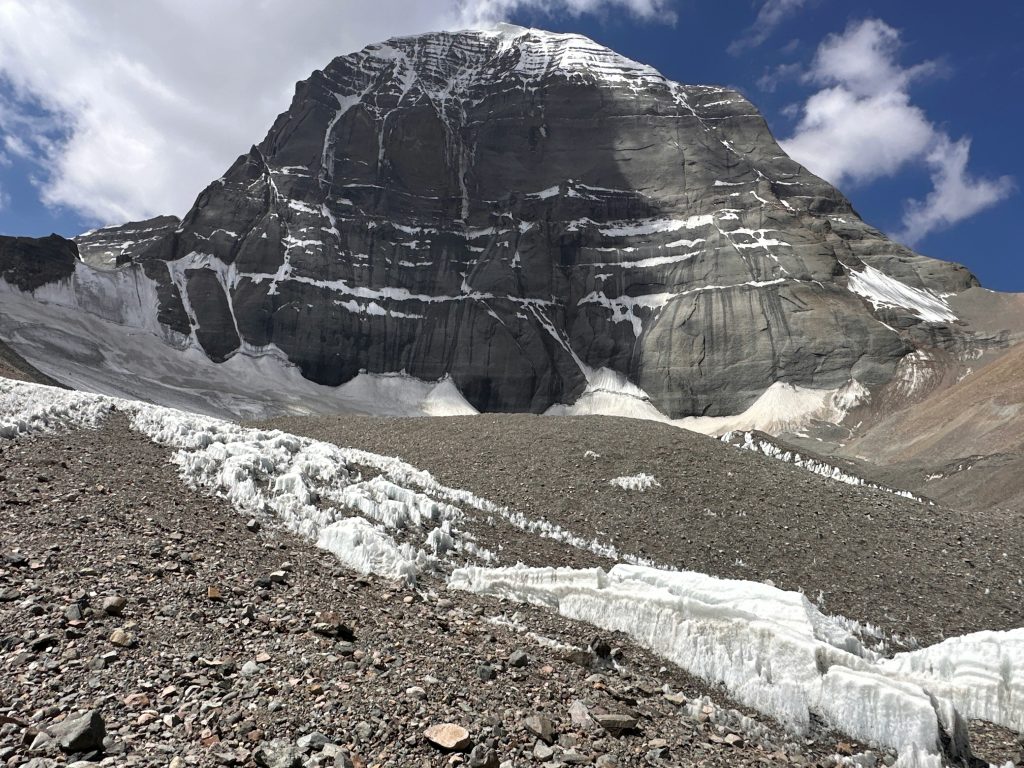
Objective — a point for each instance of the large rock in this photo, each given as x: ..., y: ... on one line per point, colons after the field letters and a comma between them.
x: 83, y: 733
x: 518, y: 210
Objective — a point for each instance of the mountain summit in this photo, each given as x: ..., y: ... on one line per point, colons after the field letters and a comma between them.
x: 529, y: 218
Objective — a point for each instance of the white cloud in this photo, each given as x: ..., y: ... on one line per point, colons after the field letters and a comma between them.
x: 862, y: 126
x: 146, y: 103
x: 771, y: 14
x: 476, y: 12
x: 955, y: 195
x: 5, y: 198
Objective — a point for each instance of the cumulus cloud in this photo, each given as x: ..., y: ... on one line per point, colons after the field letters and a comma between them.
x: 135, y: 107
x: 771, y: 14
x: 476, y: 12
x: 861, y: 125
x: 956, y: 195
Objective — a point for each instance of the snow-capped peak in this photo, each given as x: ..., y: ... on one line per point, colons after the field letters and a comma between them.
x: 444, y: 63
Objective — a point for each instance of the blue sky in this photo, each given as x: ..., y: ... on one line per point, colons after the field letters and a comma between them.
x: 84, y: 141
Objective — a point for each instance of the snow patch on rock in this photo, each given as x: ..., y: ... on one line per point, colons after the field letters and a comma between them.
x: 885, y: 291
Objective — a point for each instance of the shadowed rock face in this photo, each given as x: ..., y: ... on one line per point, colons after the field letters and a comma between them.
x: 516, y: 208
x: 28, y: 263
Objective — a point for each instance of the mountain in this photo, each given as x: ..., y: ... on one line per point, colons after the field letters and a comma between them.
x: 527, y: 221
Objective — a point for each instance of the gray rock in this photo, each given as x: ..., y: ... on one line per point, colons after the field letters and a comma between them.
x: 542, y: 751
x: 541, y: 726
x: 518, y: 659
x: 485, y: 672
x: 114, y: 605
x: 312, y: 741
x: 615, y: 722
x: 278, y: 754
x: 483, y: 756
x: 250, y: 668
x: 82, y: 733
x: 579, y: 714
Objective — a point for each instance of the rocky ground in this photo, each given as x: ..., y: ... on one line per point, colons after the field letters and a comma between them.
x: 142, y: 623
x: 920, y: 571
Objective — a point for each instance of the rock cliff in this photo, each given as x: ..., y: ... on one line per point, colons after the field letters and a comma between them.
x: 519, y: 210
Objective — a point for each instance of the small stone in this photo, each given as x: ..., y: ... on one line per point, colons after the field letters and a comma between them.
x: 485, y: 672
x: 83, y: 733
x: 177, y: 762
x: 253, y: 525
x: 518, y: 659
x: 615, y: 722
x: 483, y: 756
x: 541, y: 726
x: 607, y: 761
x: 121, y: 638
x: 312, y: 741
x: 250, y: 668
x: 262, y: 657
x: 113, y: 605
x: 73, y: 612
x: 213, y: 593
x: 448, y: 736
x: 43, y: 642
x: 278, y: 577
x: 579, y: 714
x: 734, y: 740
x: 278, y: 754
x: 542, y: 751
x: 40, y: 741
x: 415, y: 692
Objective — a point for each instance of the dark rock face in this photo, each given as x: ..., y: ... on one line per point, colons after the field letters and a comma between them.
x: 28, y: 263
x: 517, y: 209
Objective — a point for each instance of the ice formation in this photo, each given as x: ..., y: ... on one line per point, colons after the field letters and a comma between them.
x: 638, y: 482
x: 776, y: 652
x: 751, y: 442
x: 307, y: 484
x: 772, y: 649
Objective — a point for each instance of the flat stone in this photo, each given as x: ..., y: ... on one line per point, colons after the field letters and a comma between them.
x: 616, y: 722
x: 448, y: 736
x: 121, y: 638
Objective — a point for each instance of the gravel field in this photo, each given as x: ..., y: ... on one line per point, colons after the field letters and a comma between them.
x: 201, y: 642
x: 914, y: 570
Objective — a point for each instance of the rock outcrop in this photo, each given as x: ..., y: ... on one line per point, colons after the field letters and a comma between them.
x: 519, y: 210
